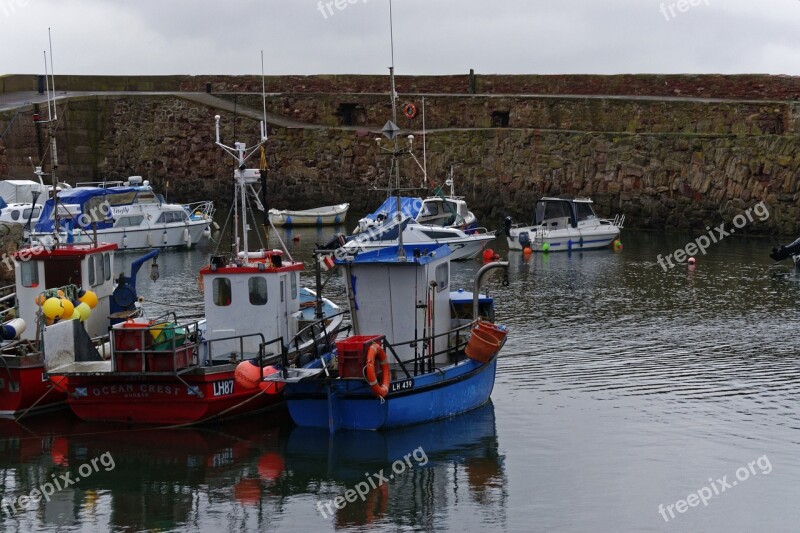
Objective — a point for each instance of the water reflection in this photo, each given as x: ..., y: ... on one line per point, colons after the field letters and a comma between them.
x: 250, y: 472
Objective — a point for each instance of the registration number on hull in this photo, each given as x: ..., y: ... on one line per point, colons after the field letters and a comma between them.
x: 397, y: 386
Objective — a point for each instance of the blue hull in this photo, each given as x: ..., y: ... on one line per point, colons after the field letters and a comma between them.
x: 349, y: 404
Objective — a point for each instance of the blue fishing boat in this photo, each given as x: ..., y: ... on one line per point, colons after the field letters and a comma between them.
x: 413, y: 358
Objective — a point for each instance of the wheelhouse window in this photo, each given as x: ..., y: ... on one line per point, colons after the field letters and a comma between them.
x: 26, y: 214
x: 442, y: 277
x: 15, y: 214
x: 294, y: 286
x: 92, y: 267
x: 30, y: 273
x: 107, y: 265
x: 222, y: 292
x: 257, y: 288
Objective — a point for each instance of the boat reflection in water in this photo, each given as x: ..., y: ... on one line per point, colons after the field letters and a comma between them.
x: 247, y: 474
x: 454, y: 461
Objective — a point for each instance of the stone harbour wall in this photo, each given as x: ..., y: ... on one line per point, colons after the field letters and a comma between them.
x: 665, y: 163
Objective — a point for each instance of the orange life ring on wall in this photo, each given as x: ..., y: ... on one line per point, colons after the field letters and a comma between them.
x: 409, y: 110
x: 378, y: 389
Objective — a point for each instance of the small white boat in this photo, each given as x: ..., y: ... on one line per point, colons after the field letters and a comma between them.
x: 329, y: 215
x: 564, y: 225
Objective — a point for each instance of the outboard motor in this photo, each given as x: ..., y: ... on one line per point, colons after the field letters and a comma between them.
x: 335, y: 242
x: 507, y: 222
x: 779, y: 253
x: 524, y: 239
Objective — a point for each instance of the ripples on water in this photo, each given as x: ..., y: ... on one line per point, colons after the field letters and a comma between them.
x: 621, y: 387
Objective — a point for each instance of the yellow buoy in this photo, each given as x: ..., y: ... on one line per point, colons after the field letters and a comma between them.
x: 68, y: 309
x: 84, y: 310
x: 52, y: 308
x: 89, y: 298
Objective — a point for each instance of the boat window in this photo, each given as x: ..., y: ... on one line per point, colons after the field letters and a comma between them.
x: 585, y: 211
x: 107, y: 263
x: 30, y: 273
x: 442, y: 277
x: 91, y: 270
x: 127, y: 222
x: 181, y: 216
x: 26, y: 214
x: 257, y: 287
x: 14, y: 215
x: 171, y: 216
x: 294, y: 286
x: 431, y: 209
x: 283, y: 288
x: 101, y: 270
x: 222, y: 292
x: 556, y: 210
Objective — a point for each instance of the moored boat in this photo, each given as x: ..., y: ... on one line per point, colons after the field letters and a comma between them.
x: 330, y: 215
x: 129, y: 214
x: 58, y: 274
x: 563, y: 225
x: 395, y: 293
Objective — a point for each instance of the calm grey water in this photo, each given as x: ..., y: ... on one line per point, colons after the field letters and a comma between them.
x: 622, y: 387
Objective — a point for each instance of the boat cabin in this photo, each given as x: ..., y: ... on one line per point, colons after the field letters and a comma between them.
x: 401, y: 298
x: 243, y: 298
x: 443, y: 211
x: 40, y: 268
x: 560, y: 213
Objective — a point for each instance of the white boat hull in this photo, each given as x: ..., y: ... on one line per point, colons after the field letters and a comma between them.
x: 565, y: 239
x: 322, y: 216
x: 462, y: 246
x: 137, y: 238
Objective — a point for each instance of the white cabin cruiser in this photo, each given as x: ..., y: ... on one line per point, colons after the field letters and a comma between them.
x: 129, y: 214
x: 564, y: 225
x: 462, y: 245
x: 440, y: 211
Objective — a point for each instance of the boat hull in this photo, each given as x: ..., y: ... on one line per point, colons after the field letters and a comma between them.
x: 138, y: 238
x: 166, y: 400
x: 349, y: 404
x: 461, y: 248
x: 24, y: 388
x: 565, y: 240
x: 330, y: 216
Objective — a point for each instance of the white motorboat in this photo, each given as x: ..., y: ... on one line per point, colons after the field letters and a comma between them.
x: 462, y: 245
x: 564, y: 225
x: 130, y: 215
x: 329, y: 215
x: 440, y: 211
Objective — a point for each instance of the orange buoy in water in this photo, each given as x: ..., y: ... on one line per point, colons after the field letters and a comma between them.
x: 270, y: 466
x: 296, y: 238
x: 527, y: 250
x: 488, y: 254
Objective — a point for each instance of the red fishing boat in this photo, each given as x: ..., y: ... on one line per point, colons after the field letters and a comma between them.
x: 164, y: 372
x: 69, y: 283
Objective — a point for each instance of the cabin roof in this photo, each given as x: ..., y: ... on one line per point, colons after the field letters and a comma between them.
x: 72, y: 250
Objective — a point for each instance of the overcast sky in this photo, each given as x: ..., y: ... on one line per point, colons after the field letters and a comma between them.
x: 431, y: 36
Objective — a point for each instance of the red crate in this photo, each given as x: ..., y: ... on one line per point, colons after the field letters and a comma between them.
x: 352, y: 354
x: 128, y: 362
x: 163, y: 361
x: 129, y: 335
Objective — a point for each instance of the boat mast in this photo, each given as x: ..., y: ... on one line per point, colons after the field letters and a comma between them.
x: 401, y: 253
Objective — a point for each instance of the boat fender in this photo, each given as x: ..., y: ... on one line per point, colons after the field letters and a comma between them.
x: 378, y: 389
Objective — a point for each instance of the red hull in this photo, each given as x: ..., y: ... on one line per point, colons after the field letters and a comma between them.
x: 22, y: 387
x: 165, y: 400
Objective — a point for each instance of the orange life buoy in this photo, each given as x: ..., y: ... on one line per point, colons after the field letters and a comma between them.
x: 409, y: 110
x: 378, y: 389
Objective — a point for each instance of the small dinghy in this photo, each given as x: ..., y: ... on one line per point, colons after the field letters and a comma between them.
x: 330, y: 215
